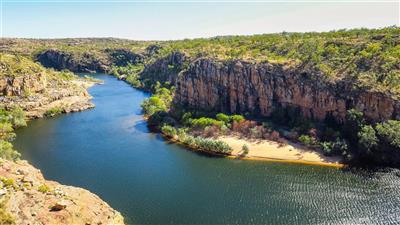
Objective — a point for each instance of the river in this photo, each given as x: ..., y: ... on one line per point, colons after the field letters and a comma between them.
x: 110, y: 151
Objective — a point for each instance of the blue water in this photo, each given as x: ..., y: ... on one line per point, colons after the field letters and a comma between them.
x: 110, y: 151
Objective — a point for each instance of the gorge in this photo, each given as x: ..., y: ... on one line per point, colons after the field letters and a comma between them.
x: 332, y: 94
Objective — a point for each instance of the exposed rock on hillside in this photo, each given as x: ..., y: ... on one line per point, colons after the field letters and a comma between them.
x: 36, y: 90
x: 240, y: 87
x: 31, y: 199
x: 165, y: 69
x: 82, y: 62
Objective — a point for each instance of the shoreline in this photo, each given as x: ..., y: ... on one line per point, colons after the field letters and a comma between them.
x: 255, y: 158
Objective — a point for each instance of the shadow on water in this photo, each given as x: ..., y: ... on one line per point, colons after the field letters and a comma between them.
x: 110, y: 151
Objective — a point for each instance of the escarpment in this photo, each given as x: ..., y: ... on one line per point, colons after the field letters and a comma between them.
x: 61, y: 60
x: 261, y: 88
x: 165, y: 69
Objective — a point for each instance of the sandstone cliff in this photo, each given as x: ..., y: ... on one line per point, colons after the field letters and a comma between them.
x: 30, y: 199
x: 164, y: 69
x: 259, y: 88
x: 36, y: 90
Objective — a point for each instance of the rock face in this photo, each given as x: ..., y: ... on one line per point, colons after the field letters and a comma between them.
x: 16, y: 86
x: 31, y: 199
x: 60, y: 60
x: 165, y: 69
x: 259, y: 88
x: 69, y: 97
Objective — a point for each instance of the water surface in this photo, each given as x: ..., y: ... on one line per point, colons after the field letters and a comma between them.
x: 109, y: 151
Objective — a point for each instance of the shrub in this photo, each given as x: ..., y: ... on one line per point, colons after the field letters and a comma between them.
x: 237, y: 118
x: 334, y: 147
x: 6, y: 131
x: 367, y: 138
x: 7, y: 151
x: 53, y: 112
x: 211, y: 145
x: 306, y: 140
x: 389, y: 133
x: 168, y: 131
x: 245, y: 149
x: 152, y: 105
x: 204, y: 122
x: 223, y: 117
x: 7, y: 182
x: 187, y: 118
x: 44, y: 188
x: 18, y: 117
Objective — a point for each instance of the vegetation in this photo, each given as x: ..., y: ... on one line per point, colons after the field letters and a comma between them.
x: 10, y: 119
x: 44, y: 188
x: 53, y: 112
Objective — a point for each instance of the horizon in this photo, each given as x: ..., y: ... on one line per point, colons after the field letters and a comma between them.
x: 172, y: 20
x: 211, y: 37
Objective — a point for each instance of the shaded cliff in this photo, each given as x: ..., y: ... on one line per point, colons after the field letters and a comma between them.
x: 164, y: 69
x: 260, y: 88
x: 91, y: 61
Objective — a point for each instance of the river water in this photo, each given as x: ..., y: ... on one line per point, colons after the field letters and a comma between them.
x: 110, y: 151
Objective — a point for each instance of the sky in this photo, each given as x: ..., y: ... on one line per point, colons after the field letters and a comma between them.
x: 179, y: 19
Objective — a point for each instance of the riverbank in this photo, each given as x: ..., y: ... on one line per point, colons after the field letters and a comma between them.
x: 266, y: 150
x: 274, y: 151
x: 27, y: 198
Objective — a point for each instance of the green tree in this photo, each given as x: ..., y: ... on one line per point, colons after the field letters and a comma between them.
x: 367, y: 138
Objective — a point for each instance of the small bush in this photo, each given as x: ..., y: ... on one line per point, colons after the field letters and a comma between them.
x: 53, y: 112
x: 237, y: 118
x: 169, y: 131
x: 245, y: 149
x: 7, y: 151
x: 44, y: 188
x: 223, y: 117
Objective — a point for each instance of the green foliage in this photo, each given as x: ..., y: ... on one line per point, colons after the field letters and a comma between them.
x: 5, y: 217
x: 53, y: 112
x: 237, y: 118
x: 211, y: 145
x: 7, y: 151
x: 6, y: 131
x: 223, y: 117
x: 7, y: 182
x: 44, y: 188
x: 245, y: 149
x: 204, y: 122
x: 169, y: 131
x: 334, y: 147
x: 130, y: 72
x: 367, y: 138
x: 17, y: 117
x: 306, y: 140
x: 152, y: 105
x: 160, y: 101
x: 389, y: 133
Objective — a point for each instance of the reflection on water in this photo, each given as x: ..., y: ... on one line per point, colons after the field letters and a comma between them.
x: 110, y: 151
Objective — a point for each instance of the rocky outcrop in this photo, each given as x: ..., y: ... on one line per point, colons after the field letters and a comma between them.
x: 70, y: 97
x: 165, y: 69
x: 30, y: 199
x: 16, y: 86
x: 75, y: 62
x: 260, y: 88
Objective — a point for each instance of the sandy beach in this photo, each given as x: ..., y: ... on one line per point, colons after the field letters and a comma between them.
x: 270, y: 150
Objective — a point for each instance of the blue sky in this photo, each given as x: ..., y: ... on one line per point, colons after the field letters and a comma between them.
x: 178, y: 19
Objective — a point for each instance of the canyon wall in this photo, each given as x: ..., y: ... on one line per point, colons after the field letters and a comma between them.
x: 259, y: 88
